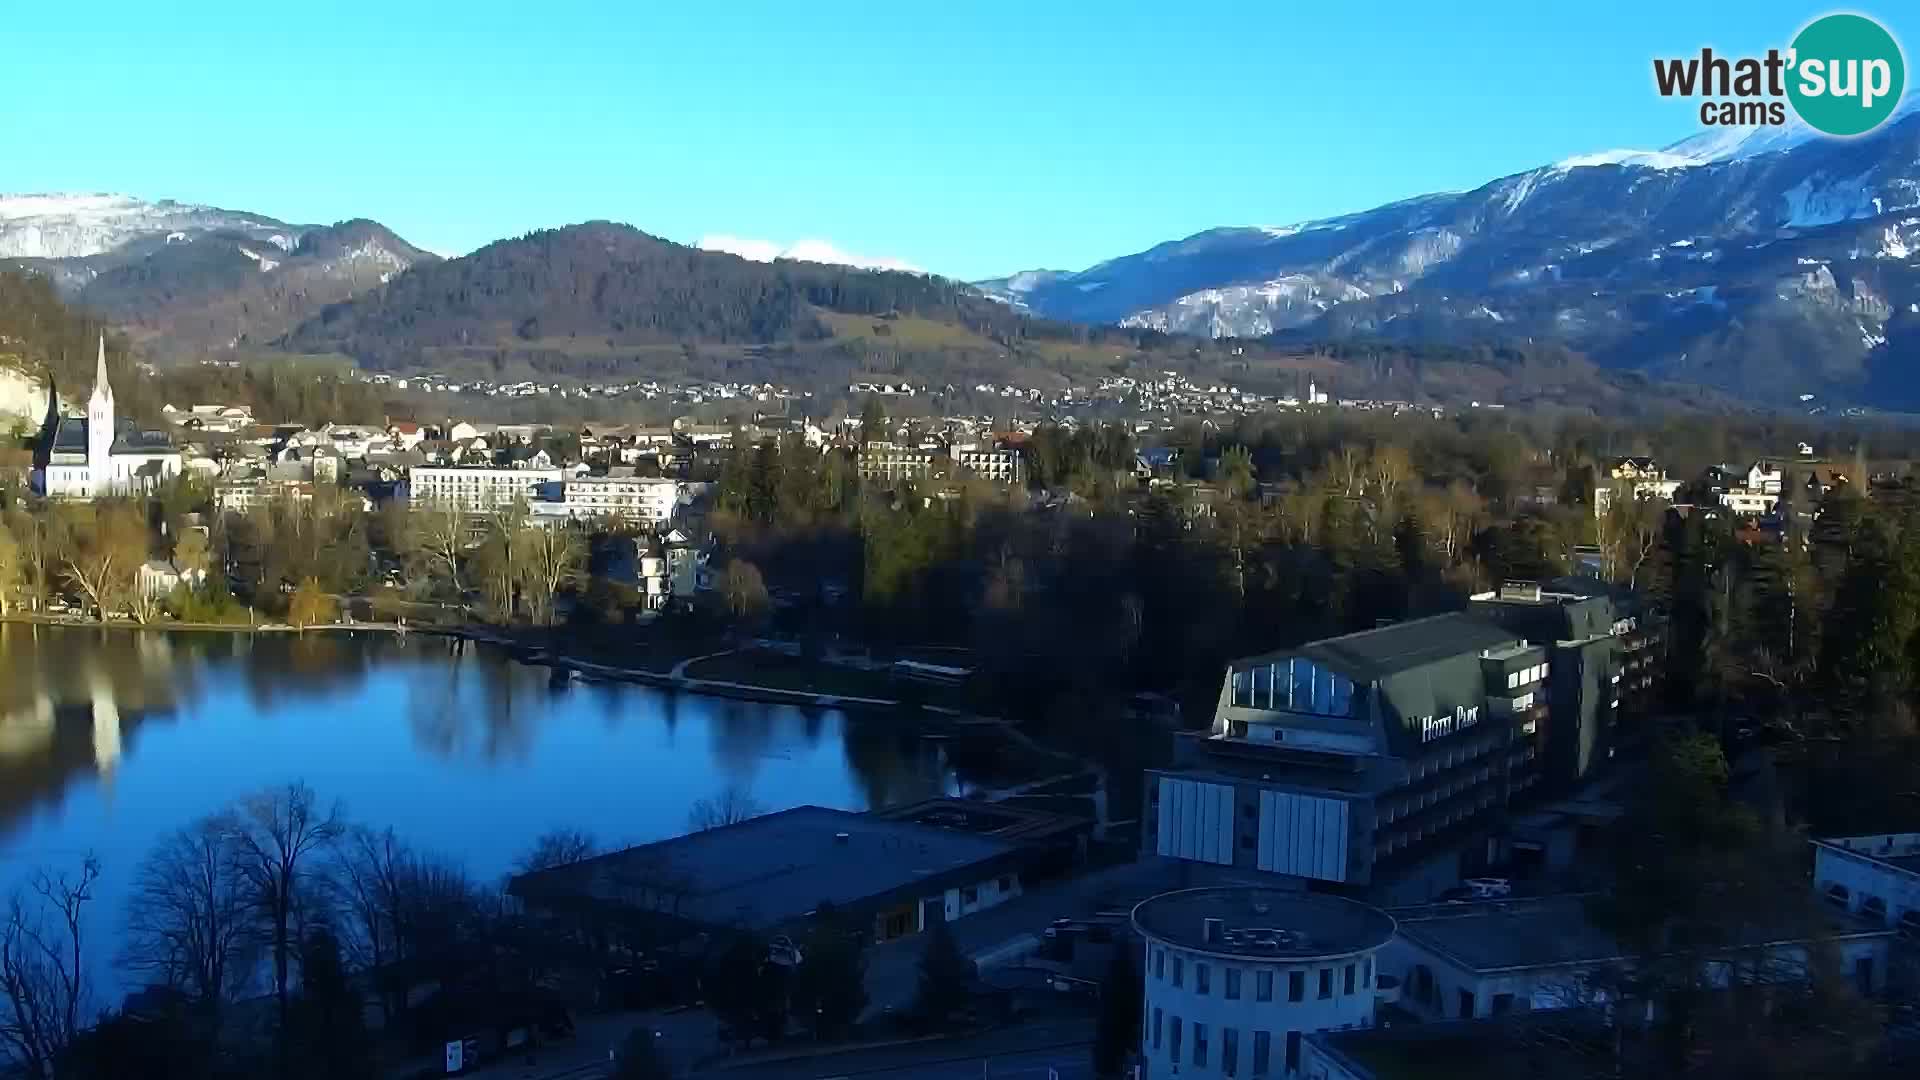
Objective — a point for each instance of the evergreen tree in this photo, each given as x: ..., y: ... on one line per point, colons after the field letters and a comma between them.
x: 1118, y: 1033
x: 830, y: 988
x: 945, y: 973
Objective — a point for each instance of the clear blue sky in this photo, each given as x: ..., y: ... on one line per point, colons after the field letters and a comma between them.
x: 968, y: 138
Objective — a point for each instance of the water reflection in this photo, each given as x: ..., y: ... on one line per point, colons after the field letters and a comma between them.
x: 471, y: 752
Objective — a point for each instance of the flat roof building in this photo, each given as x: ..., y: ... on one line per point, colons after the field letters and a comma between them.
x: 1874, y: 877
x: 1461, y: 961
x: 1237, y: 976
x: 1382, y: 760
x: 771, y: 872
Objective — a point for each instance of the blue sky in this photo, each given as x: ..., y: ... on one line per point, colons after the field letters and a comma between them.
x: 970, y: 139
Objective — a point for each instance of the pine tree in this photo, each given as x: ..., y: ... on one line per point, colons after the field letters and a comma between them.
x: 944, y: 975
x: 1118, y: 1033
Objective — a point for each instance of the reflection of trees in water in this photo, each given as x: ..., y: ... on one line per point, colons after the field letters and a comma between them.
x: 889, y: 767
x: 71, y: 700
x: 282, y: 667
x: 741, y: 733
x: 478, y: 702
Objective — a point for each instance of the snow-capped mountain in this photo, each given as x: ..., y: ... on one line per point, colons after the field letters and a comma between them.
x: 187, y: 278
x: 1770, y: 262
x: 73, y: 226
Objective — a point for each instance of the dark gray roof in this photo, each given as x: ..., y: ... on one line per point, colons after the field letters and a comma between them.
x: 1256, y: 921
x: 1553, y: 931
x: 70, y: 436
x: 1375, y: 654
x: 771, y: 870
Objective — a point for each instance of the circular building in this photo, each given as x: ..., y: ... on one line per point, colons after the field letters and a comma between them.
x: 1235, y: 976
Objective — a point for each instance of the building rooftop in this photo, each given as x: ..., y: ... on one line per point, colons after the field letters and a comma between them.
x: 1255, y: 921
x: 1562, y: 1043
x: 1899, y: 851
x: 1375, y: 654
x: 1549, y: 932
x: 773, y: 869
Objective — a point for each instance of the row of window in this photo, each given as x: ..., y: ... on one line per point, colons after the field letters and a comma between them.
x: 1168, y: 1032
x: 1295, y: 685
x: 1233, y: 980
x: 1517, y: 679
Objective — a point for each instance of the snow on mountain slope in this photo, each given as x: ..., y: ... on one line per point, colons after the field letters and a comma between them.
x: 1606, y: 252
x: 71, y: 226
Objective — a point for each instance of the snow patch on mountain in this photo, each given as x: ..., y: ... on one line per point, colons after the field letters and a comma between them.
x: 67, y: 225
x: 1810, y: 203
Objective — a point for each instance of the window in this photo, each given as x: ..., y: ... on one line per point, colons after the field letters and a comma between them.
x: 1156, y: 1029
x: 1179, y: 975
x: 1233, y: 984
x: 970, y: 895
x: 1366, y: 972
x: 1466, y: 1004
x: 1326, y: 983
x: 1229, y: 1051
x: 1199, y: 1043
x: 1346, y: 980
x: 1262, y: 1052
x: 1173, y: 1038
x: 1160, y: 963
x: 1296, y: 986
x: 1263, y: 986
x: 1293, y: 1051
x: 1006, y: 884
x: 1201, y: 979
x: 1502, y: 1004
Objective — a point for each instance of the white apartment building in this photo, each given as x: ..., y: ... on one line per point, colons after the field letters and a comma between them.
x: 1000, y: 466
x: 240, y: 496
x: 477, y: 488
x: 1748, y: 502
x: 883, y: 460
x: 635, y: 498
x: 1237, y: 976
x: 1874, y: 877
x: 1764, y: 477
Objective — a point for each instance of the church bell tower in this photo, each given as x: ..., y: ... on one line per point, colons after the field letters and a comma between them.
x: 100, y: 424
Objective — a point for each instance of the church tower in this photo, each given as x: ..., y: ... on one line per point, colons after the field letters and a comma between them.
x: 100, y: 422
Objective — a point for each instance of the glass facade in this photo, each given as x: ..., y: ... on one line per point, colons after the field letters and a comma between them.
x: 1293, y: 685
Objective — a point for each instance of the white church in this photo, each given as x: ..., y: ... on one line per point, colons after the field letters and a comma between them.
x: 93, y: 457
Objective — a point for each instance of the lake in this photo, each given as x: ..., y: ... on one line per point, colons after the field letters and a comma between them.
x: 109, y: 739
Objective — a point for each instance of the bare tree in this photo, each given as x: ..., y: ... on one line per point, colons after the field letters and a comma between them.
x: 553, y: 559
x: 34, y: 543
x: 12, y: 572
x: 562, y: 846
x: 367, y: 880
x: 277, y: 832
x: 44, y: 988
x: 732, y: 806
x: 437, y: 534
x: 190, y: 920
x: 102, y: 553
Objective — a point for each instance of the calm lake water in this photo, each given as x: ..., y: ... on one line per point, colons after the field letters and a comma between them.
x: 110, y: 738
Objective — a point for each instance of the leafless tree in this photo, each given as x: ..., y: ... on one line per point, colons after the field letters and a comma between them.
x: 437, y: 534
x: 368, y: 878
x: 561, y: 846
x: 278, y: 832
x: 190, y: 920
x: 730, y: 807
x: 553, y: 559
x: 44, y: 989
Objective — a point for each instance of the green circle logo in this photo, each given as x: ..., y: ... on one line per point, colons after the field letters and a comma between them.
x: 1847, y: 74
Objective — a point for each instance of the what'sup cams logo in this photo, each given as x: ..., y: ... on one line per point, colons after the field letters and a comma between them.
x: 1843, y: 75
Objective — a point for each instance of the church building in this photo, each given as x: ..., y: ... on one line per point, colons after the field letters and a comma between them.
x: 94, y: 456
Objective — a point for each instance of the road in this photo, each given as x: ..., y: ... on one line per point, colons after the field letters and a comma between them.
x: 1022, y: 1053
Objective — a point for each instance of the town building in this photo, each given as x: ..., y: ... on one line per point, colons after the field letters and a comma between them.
x: 1874, y: 877
x: 770, y: 873
x: 478, y: 488
x: 1463, y: 961
x: 95, y: 456
x: 1000, y: 466
x: 1237, y: 976
x: 887, y: 461
x: 649, y: 500
x: 1381, y: 761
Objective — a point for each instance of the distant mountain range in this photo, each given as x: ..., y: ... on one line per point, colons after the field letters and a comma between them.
x: 187, y: 279
x: 1767, y: 262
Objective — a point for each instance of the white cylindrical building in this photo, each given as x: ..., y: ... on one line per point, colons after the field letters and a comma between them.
x: 1237, y: 976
